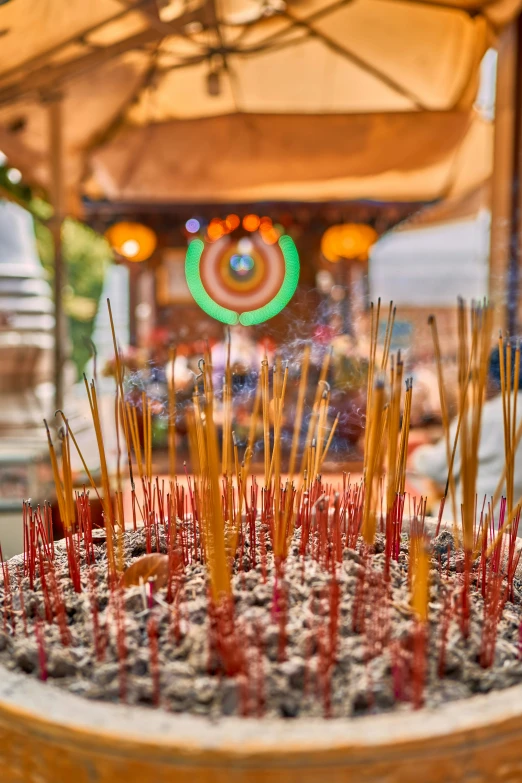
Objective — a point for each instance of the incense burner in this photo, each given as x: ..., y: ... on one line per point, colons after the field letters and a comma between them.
x: 56, y: 737
x: 50, y: 736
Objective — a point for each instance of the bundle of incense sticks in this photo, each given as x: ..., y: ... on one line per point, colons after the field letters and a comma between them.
x: 389, y: 397
x: 220, y: 507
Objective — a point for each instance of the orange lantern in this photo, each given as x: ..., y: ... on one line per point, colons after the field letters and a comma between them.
x: 133, y: 241
x: 350, y: 241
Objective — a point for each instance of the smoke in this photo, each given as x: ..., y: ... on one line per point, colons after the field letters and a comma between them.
x: 307, y: 325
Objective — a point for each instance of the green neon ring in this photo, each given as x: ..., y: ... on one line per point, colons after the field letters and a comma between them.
x: 197, y: 289
x: 249, y: 317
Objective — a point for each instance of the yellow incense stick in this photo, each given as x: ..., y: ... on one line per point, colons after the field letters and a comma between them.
x: 421, y: 570
x: 329, y: 441
x: 78, y: 451
x: 443, y: 408
x: 108, y: 510
x: 56, y: 475
x: 369, y: 521
x: 172, y: 414
x: 266, y: 415
x: 135, y: 436
x: 119, y: 379
x: 305, y: 365
x: 315, y: 408
x: 67, y: 482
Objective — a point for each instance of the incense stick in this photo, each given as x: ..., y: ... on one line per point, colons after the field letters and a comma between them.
x: 305, y: 365
x: 315, y: 408
x: 369, y: 523
x: 443, y: 408
x: 119, y: 373
x: 172, y: 414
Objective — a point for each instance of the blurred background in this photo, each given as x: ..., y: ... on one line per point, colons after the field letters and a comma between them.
x: 383, y: 136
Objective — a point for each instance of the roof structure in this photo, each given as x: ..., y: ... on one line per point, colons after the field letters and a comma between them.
x: 220, y: 100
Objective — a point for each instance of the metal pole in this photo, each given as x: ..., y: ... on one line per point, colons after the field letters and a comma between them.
x: 56, y: 190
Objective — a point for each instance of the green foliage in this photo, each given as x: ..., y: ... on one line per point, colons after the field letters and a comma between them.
x: 86, y: 256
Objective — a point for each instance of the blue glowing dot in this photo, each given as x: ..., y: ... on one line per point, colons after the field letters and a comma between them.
x: 242, y: 265
x: 192, y: 226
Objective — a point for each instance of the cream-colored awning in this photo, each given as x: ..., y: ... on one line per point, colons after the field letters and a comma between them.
x: 416, y: 156
x: 250, y: 99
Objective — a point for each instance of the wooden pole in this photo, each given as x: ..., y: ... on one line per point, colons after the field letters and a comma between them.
x: 513, y: 280
x: 56, y: 189
x: 503, y: 272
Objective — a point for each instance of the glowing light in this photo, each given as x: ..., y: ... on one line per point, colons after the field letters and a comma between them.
x: 215, y: 230
x: 130, y: 248
x: 3, y: 158
x: 269, y: 232
x: 270, y: 237
x: 251, y: 222
x: 351, y: 241
x: 133, y: 241
x: 245, y: 245
x: 14, y: 176
x: 232, y: 222
x: 192, y: 226
x: 242, y: 264
x: 324, y: 281
x: 143, y: 311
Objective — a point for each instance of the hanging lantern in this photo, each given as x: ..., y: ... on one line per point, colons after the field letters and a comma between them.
x: 133, y: 241
x: 350, y: 241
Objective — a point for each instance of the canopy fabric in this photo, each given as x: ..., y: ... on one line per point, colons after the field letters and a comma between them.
x: 416, y: 156
x: 308, y: 98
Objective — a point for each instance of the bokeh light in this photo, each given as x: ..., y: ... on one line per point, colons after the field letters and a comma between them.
x: 242, y: 265
x: 245, y: 245
x: 270, y: 236
x: 324, y: 281
x: 232, y: 222
x: 130, y: 248
x: 338, y: 293
x: 269, y: 233
x: 133, y: 241
x: 215, y: 230
x: 14, y: 176
x: 251, y: 222
x: 351, y: 241
x: 192, y: 225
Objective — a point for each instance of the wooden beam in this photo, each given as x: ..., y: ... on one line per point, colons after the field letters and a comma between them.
x: 46, y: 77
x: 42, y: 57
x: 150, y: 12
